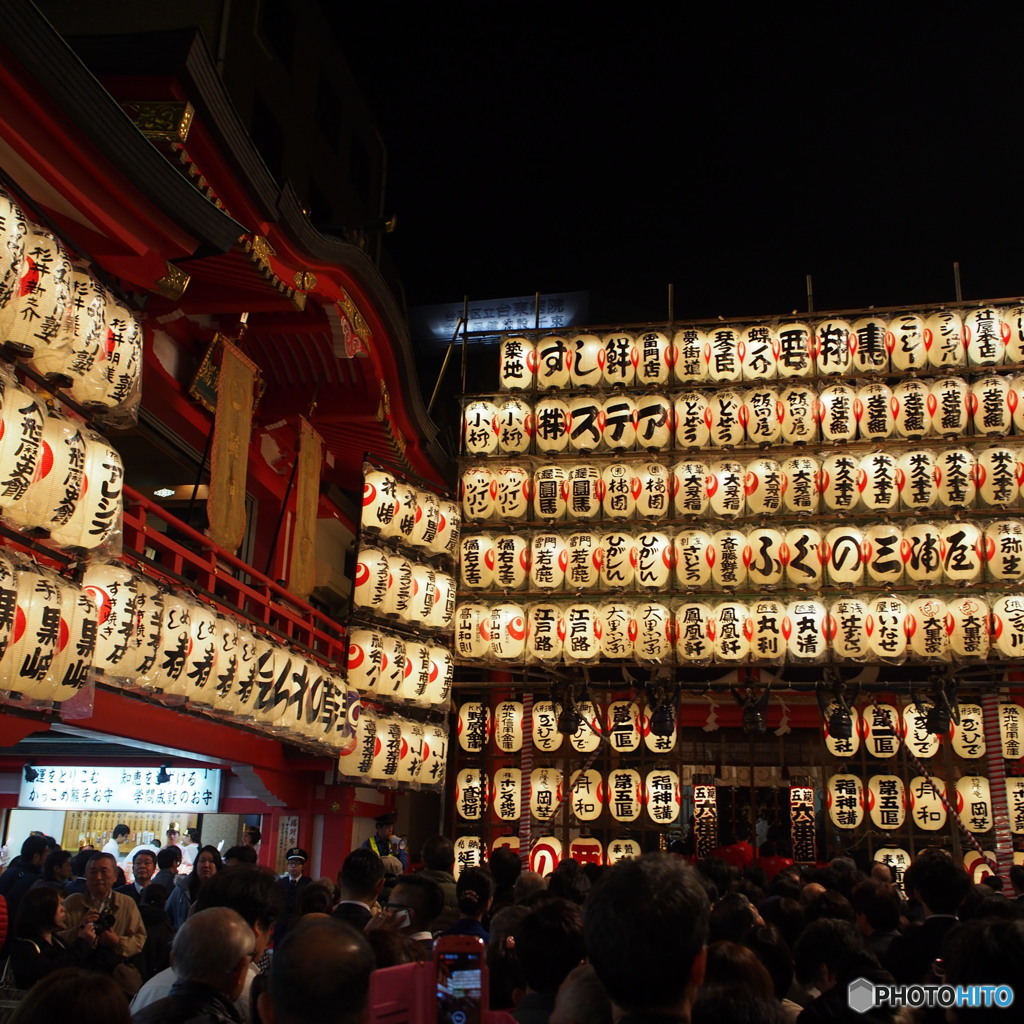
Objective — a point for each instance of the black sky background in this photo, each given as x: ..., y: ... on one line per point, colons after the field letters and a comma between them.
x: 730, y: 152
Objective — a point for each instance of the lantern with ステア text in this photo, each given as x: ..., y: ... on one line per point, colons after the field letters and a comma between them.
x: 887, y: 637
x: 804, y: 627
x: 619, y: 489
x: 950, y: 406
x: 380, y: 503
x: 928, y: 627
x: 511, y: 561
x: 767, y: 561
x: 585, y: 418
x: 694, y: 633
x: 551, y: 425
x: 113, y: 379
x: 545, y: 633
x: 870, y: 354
x: 688, y: 352
x: 763, y: 484
x: 508, y: 726
x: 887, y: 801
x: 517, y: 363
x: 480, y: 427
x: 915, y: 479
x: 998, y: 473
x: 661, y: 796
x: 470, y: 794
x: 550, y: 492
x: 42, y: 300
x: 767, y: 644
x: 545, y: 855
x: 476, y: 562
x: 759, y: 350
x: 653, y: 422
x: 618, y: 423
x: 874, y: 410
x: 911, y: 417
x: 845, y: 798
x: 655, y: 357
x: 944, y: 339
x: 721, y: 354
x: 620, y: 360
x: 582, y: 640
x: 905, y: 340
x: 545, y: 792
x: 655, y: 490
x: 472, y: 639
x: 506, y: 790
x: 548, y: 561
x: 586, y: 355
x: 692, y: 416
x: 617, y: 623
x: 974, y: 803
x: 625, y: 794
x: 507, y: 632
x: 554, y: 359
x: 1004, y: 548
x: 693, y: 558
x: 802, y: 556
x: 837, y: 413
x: 689, y: 489
x: 985, y: 336
x: 990, y: 404
x: 469, y: 853
x: 14, y: 229
x: 801, y: 484
x: 655, y: 632
x: 761, y: 414
x: 583, y: 560
x: 833, y: 355
x: 479, y: 491
x: 622, y: 849
x: 799, y: 411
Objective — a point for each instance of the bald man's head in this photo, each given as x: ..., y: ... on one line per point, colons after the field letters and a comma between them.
x: 320, y: 972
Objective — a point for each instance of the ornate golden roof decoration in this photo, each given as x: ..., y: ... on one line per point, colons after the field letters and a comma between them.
x: 161, y: 120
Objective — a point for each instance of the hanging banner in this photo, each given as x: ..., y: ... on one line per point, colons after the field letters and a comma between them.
x: 887, y: 801
x: 846, y: 801
x: 506, y: 794
x: 801, y: 823
x: 705, y: 819
x: 302, y: 564
x: 586, y: 794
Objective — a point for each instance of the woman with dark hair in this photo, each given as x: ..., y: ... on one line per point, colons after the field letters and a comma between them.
x: 37, y: 950
x: 474, y: 891
x: 85, y: 997
x: 207, y: 864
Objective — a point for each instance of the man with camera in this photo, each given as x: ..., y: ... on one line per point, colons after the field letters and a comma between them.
x: 120, y: 933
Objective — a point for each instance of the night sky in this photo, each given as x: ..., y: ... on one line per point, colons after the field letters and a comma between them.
x: 558, y: 149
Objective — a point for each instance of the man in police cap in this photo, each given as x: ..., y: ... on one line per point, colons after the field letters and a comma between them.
x: 383, y: 842
x: 290, y: 884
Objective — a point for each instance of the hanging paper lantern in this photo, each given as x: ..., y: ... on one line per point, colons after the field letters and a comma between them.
x: 1013, y: 329
x: 805, y: 629
x: 882, y: 559
x: 583, y: 490
x: 695, y: 631
x: 417, y: 673
x: 921, y: 551
x: 616, y: 622
x: 74, y: 351
x: 730, y: 556
x: 837, y: 412
x: 551, y: 424
x: 1015, y: 804
x: 848, y: 621
x: 845, y: 799
x: 887, y: 801
x: 14, y: 230
x: 659, y: 744
x: 583, y: 566
x: 916, y: 480
x: 585, y: 420
x: 517, y: 363
x: 173, y: 644
x: 469, y: 853
x: 726, y: 491
x: 868, y: 344
x: 928, y: 628
x: 582, y: 636
x: 1011, y: 723
x: 910, y: 404
x: 545, y: 793
x: 620, y: 360
x: 689, y: 489
x: 622, y: 849
x: 800, y: 414
x: 989, y: 402
x: 42, y: 300
x: 758, y: 350
x: 587, y: 738
x: 878, y: 480
x: 113, y: 378
x: 545, y: 633
x: 944, y: 339
x: 514, y: 426
x: 149, y: 614
x: 731, y: 629
x: 507, y: 632
x: 472, y: 640
x: 693, y: 555
x: 617, y: 422
x: 985, y: 337
x: 962, y: 552
x: 439, y: 686
x: 766, y: 567
x: 688, y: 348
x: 545, y: 855
x: 795, y: 350
x: 428, y: 520
x: 410, y: 765
x: 801, y: 822
x: 920, y: 741
x: 75, y: 646
x: 1004, y: 550
x: 586, y: 355
x: 839, y: 483
x: 372, y: 580
x: 622, y: 725
x: 548, y: 561
x: 470, y: 794
x: 721, y: 354
x: 393, y: 660
x: 874, y: 410
x: 96, y: 520
x: 618, y: 561
x: 544, y: 729
x: 974, y: 803
x: 968, y: 735
x: 801, y: 554
x: 767, y: 643
x: 479, y: 491
x: 653, y: 500
x: 950, y: 406
x: 226, y: 660
x: 653, y: 422
x: 114, y: 591
x: 401, y: 527
x: 625, y: 793
x: 21, y: 437
x: 724, y: 419
x: 845, y: 747
x: 897, y: 861
x: 619, y: 488
x: 507, y: 794
x: 435, y: 754
x: 844, y: 555
x: 508, y: 726
x: 511, y: 561
x: 355, y: 758
x: 400, y: 588
x: 655, y: 632
x: 1016, y: 399
x: 1008, y: 625
x: 474, y: 726
x: 476, y: 562
x: 832, y: 350
x: 449, y: 527
x: 693, y: 417
x: 653, y: 561
x: 655, y: 358
x: 550, y: 491
x: 365, y: 648
x: 32, y: 641
x: 998, y: 473
x: 886, y: 626
x: 761, y: 416
x: 905, y: 340
x: 763, y: 485
x: 801, y: 484
x: 586, y: 850
x: 553, y: 361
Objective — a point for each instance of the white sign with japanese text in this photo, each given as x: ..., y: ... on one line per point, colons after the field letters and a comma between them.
x: 71, y: 788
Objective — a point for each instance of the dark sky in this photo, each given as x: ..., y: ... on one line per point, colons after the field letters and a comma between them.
x: 557, y: 148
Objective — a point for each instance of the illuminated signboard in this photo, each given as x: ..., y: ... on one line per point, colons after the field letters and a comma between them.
x: 69, y: 788
x: 497, y: 315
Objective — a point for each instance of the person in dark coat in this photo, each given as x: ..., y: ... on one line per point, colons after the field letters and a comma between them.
x: 23, y: 873
x: 290, y: 885
x: 36, y: 949
x: 360, y: 880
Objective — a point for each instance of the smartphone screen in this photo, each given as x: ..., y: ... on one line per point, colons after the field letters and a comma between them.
x: 459, y: 986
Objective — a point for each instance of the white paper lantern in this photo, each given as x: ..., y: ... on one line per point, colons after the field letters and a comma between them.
x: 926, y: 807
x: 1008, y: 625
x: 75, y: 647
x: 867, y: 340
x: 96, y: 520
x: 113, y: 378
x: 695, y: 630
x: 582, y: 633
x: 508, y: 726
x: 969, y: 639
x: 949, y: 405
x: 659, y: 744
x: 479, y: 490
x: 990, y: 404
x: 689, y: 489
x: 363, y: 661
x: 887, y: 801
x: 401, y: 527
x: 725, y: 422
x: 693, y: 556
x: 443, y: 612
x: 428, y: 520
x: 420, y: 609
x: 620, y: 359
x: 14, y: 229
x: 730, y: 556
x: 915, y: 478
x: 551, y: 424
x: 693, y: 418
x: 435, y: 756
x: 470, y: 794
x: 514, y: 491
x: 920, y: 740
x: 962, y: 552
x: 449, y: 528
x: 1016, y: 399
x: 371, y: 579
x: 801, y: 484
x: 584, y: 501
x: 761, y: 415
x: 1011, y: 719
x: 655, y: 632
x: 921, y: 551
x: 507, y: 794
x: 802, y: 556
x: 586, y: 850
x: 912, y: 418
x: 805, y: 629
x: 653, y: 499
x: 622, y: 725
x: 878, y: 476
x: 511, y: 561
x: 688, y: 348
x: 955, y: 476
x: 1013, y: 328
x: 763, y: 485
x: 476, y: 562
x: 553, y: 362
x: 767, y: 643
x: 848, y: 629
x: 548, y: 561
x: 758, y: 350
x: 974, y: 803
x: 22, y: 420
x: 838, y: 478
x: 355, y: 758
x: 985, y: 336
x: 928, y: 628
x: 514, y: 421
x: 906, y: 342
x: 618, y: 423
x: 1004, y: 550
x: 837, y: 409
x: 474, y: 726
x: 653, y: 422
x: 655, y: 358
x: 583, y: 566
x: 883, y: 561
x: 795, y: 350
x: 586, y: 416
x: 32, y: 641
x: 587, y: 738
x: 410, y: 764
x: 721, y: 354
x: 587, y: 361
x: 875, y: 411
x: 726, y: 491
x: 882, y: 730
x: 416, y: 676
x: 545, y: 792
x: 843, y: 747
x: 545, y: 855
x: 508, y: 632
x: 618, y: 629
x: 398, y: 599
x: 618, y: 561
x: 832, y: 350
x: 766, y: 568
x: 113, y: 589
x: 731, y: 629
x: 469, y: 853
x: 944, y: 339
x: 42, y: 300
x: 393, y: 661
x: 550, y: 492
x: 472, y: 639
x: 625, y: 794
x: 887, y: 635
x: 149, y: 613
x: 800, y: 414
x: 439, y: 686
x: 517, y: 363
x: 85, y: 333
x: 620, y: 487
x: 845, y: 800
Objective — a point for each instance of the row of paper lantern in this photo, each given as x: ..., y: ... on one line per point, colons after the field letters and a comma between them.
x: 180, y: 651
x: 806, y: 484
x: 985, y: 336
x: 622, y: 792
x: 384, y: 666
x: 398, y: 513
x: 546, y: 852
x: 389, y: 585
x: 56, y: 474
x: 887, y: 802
x: 992, y: 405
x: 808, y: 630
x: 69, y: 327
x: 386, y: 749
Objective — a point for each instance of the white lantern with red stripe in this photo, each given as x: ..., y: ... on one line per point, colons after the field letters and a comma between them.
x: 833, y: 354
x: 365, y: 648
x: 878, y: 479
x: 113, y: 589
x: 659, y: 744
x: 550, y: 491
x: 424, y: 599
x: 511, y: 561
x: 970, y: 638
x: 927, y: 807
x: 653, y: 422
x: 695, y: 630
x: 435, y: 754
x: 725, y: 420
x: 955, y: 478
x: 583, y: 489
x: 551, y: 425
x: 96, y: 520
x: 801, y: 484
x: 763, y: 484
x: 618, y: 560
x: 507, y: 632
x: 874, y: 410
x: 622, y: 725
x: 795, y: 350
x: 848, y: 629
x: 587, y: 738
x: 476, y: 562
x: 617, y: 423
x: 868, y: 343
x: 655, y: 628
x: 655, y: 358
x: 393, y: 660
x: 991, y: 403
x: 21, y: 441
x: 693, y: 557
x: 985, y: 336
x: 887, y: 635
x: 400, y: 584
x: 730, y: 555
x: 844, y: 556
x: 439, y: 686
x: 845, y: 800
x: 915, y: 479
x: 761, y: 415
x: 517, y: 363
x: 731, y: 629
x: 449, y: 528
x: 355, y: 758
x: 998, y: 473
x: 72, y: 663
x: 1008, y: 625
x: 800, y: 417
x: 653, y: 560
x: 805, y: 628
x: 470, y: 794
x: 837, y: 410
x: 619, y: 488
x: 553, y: 362
x: 371, y: 579
x: 689, y: 489
x: 887, y: 801
x: 767, y: 567
x: 654, y: 480
x: 32, y: 643
x: 583, y: 566
x: 721, y: 353
x: 911, y: 417
x: 619, y: 366
x: 149, y: 615
x: 469, y: 853
x: 545, y: 855
x: 586, y: 365
x: 514, y: 422
x: 618, y: 629
x: 428, y: 520
x: 1013, y: 328
x: 920, y: 740
x: 949, y: 403
x: 113, y: 378
x: 726, y: 489
x: 802, y: 556
x: 883, y: 560
x: 585, y: 418
x: 767, y: 643
x: 548, y: 561
x: 380, y: 503
x: 944, y: 339
x: 410, y: 764
x: 693, y: 418
x: 508, y: 726
x: 928, y: 628
x: 472, y: 639
x: 479, y: 489
x: 758, y: 349
x: 1017, y: 402
x: 625, y: 794
x: 14, y: 229
x: 843, y: 747
x: 545, y: 792
x: 474, y: 726
x: 42, y: 300
x: 906, y: 342
x: 85, y: 333
x: 545, y: 633
x: 417, y: 673
x: 839, y: 483
x: 1004, y: 550
x: 688, y: 350
x: 974, y: 803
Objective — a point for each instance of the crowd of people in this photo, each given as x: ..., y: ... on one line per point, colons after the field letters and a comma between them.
x: 656, y: 939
